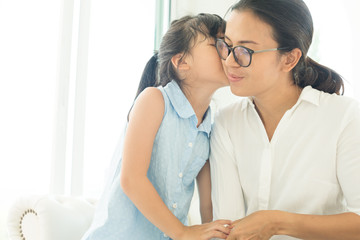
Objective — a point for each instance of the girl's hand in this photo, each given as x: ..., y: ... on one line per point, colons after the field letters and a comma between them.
x: 217, y: 229
x: 259, y: 225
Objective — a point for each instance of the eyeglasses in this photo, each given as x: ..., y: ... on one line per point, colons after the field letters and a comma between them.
x: 242, y: 55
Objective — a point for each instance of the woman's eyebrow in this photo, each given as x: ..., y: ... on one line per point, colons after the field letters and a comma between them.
x: 242, y: 41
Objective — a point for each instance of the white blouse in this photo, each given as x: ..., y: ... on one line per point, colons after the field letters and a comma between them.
x: 310, y: 166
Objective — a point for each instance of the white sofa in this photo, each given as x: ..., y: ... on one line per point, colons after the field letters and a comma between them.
x: 50, y: 217
x: 56, y: 217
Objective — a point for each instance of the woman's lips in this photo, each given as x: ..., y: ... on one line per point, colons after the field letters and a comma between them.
x: 234, y: 78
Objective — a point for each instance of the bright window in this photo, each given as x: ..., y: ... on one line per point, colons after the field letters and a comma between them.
x: 42, y: 46
x: 121, y: 42
x: 29, y: 33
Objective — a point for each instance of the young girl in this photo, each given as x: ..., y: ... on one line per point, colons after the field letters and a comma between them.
x: 166, y: 143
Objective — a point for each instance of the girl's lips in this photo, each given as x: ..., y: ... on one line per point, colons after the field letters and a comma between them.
x: 234, y: 78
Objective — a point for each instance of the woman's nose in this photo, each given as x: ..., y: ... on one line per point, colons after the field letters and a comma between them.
x: 230, y: 61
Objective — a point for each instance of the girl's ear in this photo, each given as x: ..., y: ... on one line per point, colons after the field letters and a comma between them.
x: 291, y: 59
x: 179, y: 61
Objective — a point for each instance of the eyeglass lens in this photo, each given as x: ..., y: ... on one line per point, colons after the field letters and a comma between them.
x: 242, y: 55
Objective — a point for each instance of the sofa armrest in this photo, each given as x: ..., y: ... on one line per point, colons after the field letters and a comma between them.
x: 50, y: 217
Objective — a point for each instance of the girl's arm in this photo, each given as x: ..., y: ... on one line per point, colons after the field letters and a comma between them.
x: 144, y: 121
x: 204, y: 188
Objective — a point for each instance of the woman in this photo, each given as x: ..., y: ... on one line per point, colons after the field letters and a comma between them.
x: 286, y: 159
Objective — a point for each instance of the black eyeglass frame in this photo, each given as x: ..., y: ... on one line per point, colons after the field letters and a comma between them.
x: 250, y: 51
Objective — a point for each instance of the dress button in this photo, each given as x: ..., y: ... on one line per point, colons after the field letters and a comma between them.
x: 190, y: 144
x: 174, y: 205
x: 180, y: 175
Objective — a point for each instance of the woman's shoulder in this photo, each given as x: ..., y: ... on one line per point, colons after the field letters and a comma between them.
x: 339, y: 109
x: 231, y: 110
x: 338, y: 103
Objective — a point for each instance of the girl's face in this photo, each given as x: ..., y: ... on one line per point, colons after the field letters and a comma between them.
x: 206, y: 66
x: 245, y: 29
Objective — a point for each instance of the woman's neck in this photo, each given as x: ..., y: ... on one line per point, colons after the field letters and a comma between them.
x: 272, y: 105
x: 278, y: 102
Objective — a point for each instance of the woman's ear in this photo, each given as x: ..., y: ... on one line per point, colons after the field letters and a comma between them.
x: 291, y: 59
x: 179, y: 61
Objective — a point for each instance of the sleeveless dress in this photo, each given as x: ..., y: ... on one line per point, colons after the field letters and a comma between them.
x: 180, y: 150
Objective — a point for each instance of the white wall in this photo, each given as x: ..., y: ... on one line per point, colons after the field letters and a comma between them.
x: 353, y: 9
x: 184, y: 7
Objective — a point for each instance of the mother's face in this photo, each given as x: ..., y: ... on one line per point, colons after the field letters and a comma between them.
x: 246, y: 29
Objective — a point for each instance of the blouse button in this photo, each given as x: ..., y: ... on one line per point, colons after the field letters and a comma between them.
x: 174, y: 205
x: 190, y: 144
x: 180, y: 175
x: 165, y: 235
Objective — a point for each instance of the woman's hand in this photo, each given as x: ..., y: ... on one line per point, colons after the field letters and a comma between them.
x: 257, y: 226
x: 217, y: 229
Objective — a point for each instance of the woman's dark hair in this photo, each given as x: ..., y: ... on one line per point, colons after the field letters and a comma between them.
x: 178, y: 39
x: 292, y: 26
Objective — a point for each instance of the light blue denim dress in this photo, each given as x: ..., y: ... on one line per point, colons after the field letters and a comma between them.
x: 180, y: 150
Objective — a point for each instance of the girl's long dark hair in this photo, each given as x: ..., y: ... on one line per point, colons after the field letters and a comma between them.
x: 292, y: 26
x: 148, y: 77
x: 178, y: 39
